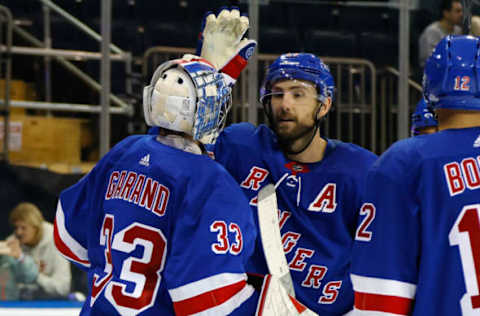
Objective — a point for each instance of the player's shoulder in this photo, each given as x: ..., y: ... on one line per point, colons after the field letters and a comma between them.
x: 118, y: 150
x: 402, y: 157
x: 245, y: 134
x: 126, y: 144
x: 204, y: 174
x: 348, y: 160
x: 209, y: 169
x: 349, y: 152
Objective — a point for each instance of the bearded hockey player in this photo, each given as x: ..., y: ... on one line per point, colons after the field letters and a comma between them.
x: 318, y: 180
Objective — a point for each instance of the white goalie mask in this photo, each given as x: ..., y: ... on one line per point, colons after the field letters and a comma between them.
x: 189, y: 96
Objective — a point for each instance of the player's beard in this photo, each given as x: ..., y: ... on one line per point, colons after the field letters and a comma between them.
x: 293, y: 138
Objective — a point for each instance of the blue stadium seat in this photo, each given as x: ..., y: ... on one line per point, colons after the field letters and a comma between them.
x: 380, y: 48
x: 367, y: 19
x: 276, y: 40
x: 331, y: 43
x: 172, y: 34
x: 311, y: 16
x: 275, y: 14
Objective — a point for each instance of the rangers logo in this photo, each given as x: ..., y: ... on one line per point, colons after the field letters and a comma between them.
x: 296, y: 168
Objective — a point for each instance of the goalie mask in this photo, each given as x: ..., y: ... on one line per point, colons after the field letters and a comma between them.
x: 188, y: 96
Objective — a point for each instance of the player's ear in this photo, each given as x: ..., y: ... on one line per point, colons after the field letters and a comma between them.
x: 324, y: 108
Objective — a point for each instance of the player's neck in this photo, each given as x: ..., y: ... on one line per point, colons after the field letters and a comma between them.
x: 455, y: 119
x: 313, y: 153
x: 182, y: 142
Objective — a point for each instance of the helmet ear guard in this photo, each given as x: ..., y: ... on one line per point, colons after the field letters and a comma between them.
x: 451, y: 77
x: 422, y: 117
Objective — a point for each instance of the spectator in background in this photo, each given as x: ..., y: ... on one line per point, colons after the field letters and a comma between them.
x: 452, y: 14
x: 36, y: 239
x: 16, y: 269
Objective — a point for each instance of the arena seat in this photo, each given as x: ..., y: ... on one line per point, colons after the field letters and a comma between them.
x: 331, y: 43
x: 172, y: 34
x: 366, y: 19
x: 380, y: 48
x: 311, y: 16
x: 276, y: 40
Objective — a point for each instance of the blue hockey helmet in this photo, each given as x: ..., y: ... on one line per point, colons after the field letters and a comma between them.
x: 301, y: 66
x: 422, y: 117
x: 451, y: 77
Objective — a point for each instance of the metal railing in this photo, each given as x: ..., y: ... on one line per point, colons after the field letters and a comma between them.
x: 6, y: 23
x: 63, y: 57
x: 354, y: 117
x: 388, y: 82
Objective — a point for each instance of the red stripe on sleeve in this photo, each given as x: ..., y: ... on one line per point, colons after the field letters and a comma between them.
x: 208, y: 300
x: 234, y: 67
x: 383, y: 303
x: 64, y: 249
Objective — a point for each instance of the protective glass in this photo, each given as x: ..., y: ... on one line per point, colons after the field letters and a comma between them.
x: 299, y: 92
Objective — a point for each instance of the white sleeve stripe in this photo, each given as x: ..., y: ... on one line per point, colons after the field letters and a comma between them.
x: 205, y: 285
x: 67, y: 239
x: 357, y: 312
x: 231, y: 304
x: 383, y: 286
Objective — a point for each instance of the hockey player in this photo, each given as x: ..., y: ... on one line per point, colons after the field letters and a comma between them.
x: 160, y: 227
x: 423, y: 120
x: 149, y: 222
x: 417, y: 249
x: 318, y: 180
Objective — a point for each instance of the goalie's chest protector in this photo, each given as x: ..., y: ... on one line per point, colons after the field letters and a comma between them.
x: 318, y: 209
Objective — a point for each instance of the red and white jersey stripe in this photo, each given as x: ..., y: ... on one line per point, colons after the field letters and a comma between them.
x: 66, y: 244
x: 382, y: 297
x: 216, y: 295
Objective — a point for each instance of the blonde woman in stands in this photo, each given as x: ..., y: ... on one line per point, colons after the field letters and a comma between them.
x: 36, y: 239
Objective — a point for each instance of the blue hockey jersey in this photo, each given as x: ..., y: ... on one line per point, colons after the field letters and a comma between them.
x: 417, y: 250
x: 318, y: 205
x: 160, y: 232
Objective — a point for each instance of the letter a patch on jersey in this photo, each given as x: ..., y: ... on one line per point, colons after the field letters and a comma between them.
x: 325, y: 201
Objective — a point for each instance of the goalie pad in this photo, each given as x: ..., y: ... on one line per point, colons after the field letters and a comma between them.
x: 274, y: 301
x: 223, y: 45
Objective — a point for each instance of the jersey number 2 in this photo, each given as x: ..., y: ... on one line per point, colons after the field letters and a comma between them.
x: 465, y: 234
x: 362, y: 233
x: 143, y: 272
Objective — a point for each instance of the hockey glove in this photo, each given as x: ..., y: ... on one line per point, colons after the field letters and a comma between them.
x: 223, y: 45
